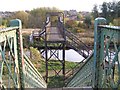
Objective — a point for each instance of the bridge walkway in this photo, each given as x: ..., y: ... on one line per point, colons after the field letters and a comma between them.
x: 100, y: 68
x: 53, y: 34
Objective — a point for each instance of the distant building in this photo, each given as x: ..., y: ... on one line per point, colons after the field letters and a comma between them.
x: 72, y: 12
x: 72, y: 17
x: 6, y: 14
x: 65, y: 13
x: 84, y: 13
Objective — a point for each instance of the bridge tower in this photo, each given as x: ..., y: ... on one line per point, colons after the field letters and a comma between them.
x: 55, y: 42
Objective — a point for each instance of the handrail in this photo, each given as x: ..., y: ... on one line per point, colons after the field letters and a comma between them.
x: 82, y: 74
x: 68, y: 33
x: 31, y: 72
x: 71, y: 72
x: 8, y: 29
x: 101, y: 68
x: 77, y: 43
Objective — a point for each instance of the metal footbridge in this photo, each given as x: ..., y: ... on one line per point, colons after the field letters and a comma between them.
x: 99, y: 69
x: 16, y: 70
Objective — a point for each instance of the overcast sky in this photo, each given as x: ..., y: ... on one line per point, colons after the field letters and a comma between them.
x: 79, y: 5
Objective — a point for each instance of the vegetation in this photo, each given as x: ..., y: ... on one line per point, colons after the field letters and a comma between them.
x: 23, y: 16
x: 87, y: 21
x: 110, y: 11
x: 56, y: 65
x: 36, y: 19
x: 54, y: 81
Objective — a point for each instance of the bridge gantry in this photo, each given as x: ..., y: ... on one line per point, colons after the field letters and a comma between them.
x: 55, y: 38
x: 101, y: 69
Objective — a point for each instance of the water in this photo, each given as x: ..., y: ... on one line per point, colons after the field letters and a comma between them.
x: 70, y: 55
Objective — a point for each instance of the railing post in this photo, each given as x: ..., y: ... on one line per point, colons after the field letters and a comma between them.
x: 98, y: 21
x: 19, y: 43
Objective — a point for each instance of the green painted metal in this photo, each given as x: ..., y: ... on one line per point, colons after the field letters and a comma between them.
x: 16, y: 70
x: 8, y: 58
x: 16, y: 23
x: 19, y: 52
x: 102, y: 68
x: 32, y: 75
x: 84, y: 76
x: 98, y: 21
x: 108, y: 65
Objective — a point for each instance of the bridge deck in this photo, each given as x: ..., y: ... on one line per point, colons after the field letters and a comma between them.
x: 53, y: 34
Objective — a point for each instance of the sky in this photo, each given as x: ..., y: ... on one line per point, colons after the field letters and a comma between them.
x: 79, y: 5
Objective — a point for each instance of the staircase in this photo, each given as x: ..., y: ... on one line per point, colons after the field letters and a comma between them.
x: 75, y: 43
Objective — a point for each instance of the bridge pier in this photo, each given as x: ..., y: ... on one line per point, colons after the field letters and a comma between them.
x: 53, y: 55
x: 54, y: 36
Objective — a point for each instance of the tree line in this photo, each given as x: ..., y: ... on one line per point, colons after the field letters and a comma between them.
x: 36, y: 17
x: 31, y: 19
x: 110, y: 11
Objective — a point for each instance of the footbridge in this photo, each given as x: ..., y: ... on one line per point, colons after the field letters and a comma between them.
x: 55, y: 37
x: 100, y: 69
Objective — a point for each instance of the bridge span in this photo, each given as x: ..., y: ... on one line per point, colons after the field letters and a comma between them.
x: 101, y: 69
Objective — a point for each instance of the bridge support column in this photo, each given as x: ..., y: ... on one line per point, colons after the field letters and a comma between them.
x: 64, y: 60
x: 55, y: 58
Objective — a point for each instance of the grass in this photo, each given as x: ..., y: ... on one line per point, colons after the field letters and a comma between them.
x: 56, y: 65
x: 55, y: 82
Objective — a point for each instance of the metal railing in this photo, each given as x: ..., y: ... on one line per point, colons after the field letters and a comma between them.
x: 102, y: 68
x: 83, y: 77
x: 74, y: 42
x: 33, y: 78
x: 16, y: 70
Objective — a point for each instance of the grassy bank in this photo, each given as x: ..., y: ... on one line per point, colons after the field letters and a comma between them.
x: 54, y: 81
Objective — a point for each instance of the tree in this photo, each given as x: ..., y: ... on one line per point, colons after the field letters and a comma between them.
x: 87, y: 21
x: 95, y: 12
x: 104, y: 9
x: 5, y: 22
x: 116, y: 22
x: 71, y: 24
x: 110, y: 10
x: 118, y: 9
x: 38, y: 16
x: 34, y: 22
x: 23, y: 16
